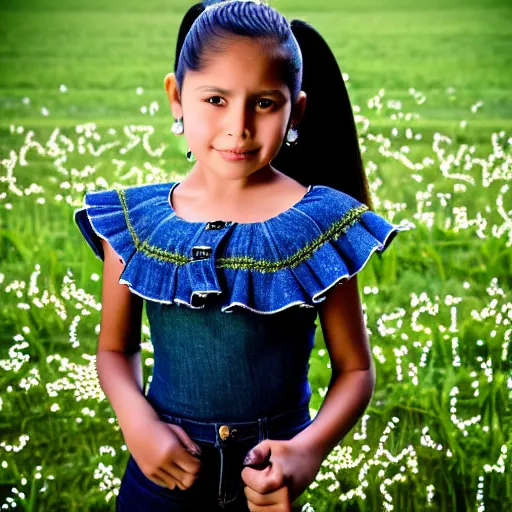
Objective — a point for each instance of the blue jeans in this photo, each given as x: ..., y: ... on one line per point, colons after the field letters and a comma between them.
x: 219, y: 486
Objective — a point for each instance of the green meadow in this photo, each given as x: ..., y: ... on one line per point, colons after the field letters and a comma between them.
x: 82, y: 107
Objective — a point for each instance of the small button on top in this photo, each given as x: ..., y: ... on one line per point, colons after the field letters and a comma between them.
x: 200, y: 252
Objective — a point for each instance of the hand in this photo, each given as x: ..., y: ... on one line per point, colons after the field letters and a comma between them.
x: 286, y: 469
x: 164, y: 453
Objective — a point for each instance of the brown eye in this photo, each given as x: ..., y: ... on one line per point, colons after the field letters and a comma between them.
x: 213, y: 97
x: 270, y: 102
x: 266, y: 103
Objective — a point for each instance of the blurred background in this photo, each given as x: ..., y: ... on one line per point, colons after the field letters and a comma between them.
x: 83, y: 107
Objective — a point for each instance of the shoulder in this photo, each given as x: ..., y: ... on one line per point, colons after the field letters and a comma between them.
x: 322, y: 214
x: 336, y: 213
x: 334, y: 201
x: 134, y: 192
x: 128, y: 204
x: 120, y: 216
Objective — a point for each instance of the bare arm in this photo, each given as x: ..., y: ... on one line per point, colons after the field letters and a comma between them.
x: 353, y: 373
x: 118, y: 358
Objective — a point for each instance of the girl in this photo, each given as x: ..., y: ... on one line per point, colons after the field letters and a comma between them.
x: 233, y: 264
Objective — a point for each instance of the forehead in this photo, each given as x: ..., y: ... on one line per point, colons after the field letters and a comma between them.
x: 239, y: 63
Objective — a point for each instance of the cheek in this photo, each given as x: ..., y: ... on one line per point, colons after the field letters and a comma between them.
x: 198, y: 131
x: 278, y: 132
x: 271, y: 128
x: 198, y: 121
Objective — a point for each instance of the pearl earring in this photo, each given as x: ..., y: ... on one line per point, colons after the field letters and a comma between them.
x: 177, y: 127
x: 291, y: 136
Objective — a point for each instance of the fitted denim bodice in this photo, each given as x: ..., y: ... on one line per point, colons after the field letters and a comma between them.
x: 209, y: 365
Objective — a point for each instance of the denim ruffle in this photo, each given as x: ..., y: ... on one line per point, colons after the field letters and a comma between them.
x: 291, y: 259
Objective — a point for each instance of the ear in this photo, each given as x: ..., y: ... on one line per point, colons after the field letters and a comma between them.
x: 171, y: 88
x: 298, y: 108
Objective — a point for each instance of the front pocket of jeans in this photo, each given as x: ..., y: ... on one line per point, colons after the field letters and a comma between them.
x: 152, y: 487
x: 288, y: 433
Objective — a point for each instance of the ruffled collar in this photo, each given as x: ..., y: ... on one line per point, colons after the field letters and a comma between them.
x: 292, y: 259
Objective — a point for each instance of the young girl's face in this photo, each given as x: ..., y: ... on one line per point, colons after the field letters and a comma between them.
x: 238, y: 102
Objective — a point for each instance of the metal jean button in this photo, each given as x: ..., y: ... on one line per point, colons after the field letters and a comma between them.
x: 225, y: 431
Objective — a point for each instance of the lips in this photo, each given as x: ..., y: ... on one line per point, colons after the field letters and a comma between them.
x: 237, y: 155
x: 237, y: 151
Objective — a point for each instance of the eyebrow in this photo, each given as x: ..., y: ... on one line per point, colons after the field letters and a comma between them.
x: 225, y: 92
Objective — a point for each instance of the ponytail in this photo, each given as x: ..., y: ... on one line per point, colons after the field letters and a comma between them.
x: 327, y: 152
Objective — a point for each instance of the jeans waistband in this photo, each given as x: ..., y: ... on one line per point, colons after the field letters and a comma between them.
x: 223, y: 434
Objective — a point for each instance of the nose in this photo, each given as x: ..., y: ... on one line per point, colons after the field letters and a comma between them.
x: 238, y: 121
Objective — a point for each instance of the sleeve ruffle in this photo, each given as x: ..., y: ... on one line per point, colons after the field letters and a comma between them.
x: 345, y: 254
x: 103, y: 216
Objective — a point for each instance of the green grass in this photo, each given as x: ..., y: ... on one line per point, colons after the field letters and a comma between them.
x: 440, y: 320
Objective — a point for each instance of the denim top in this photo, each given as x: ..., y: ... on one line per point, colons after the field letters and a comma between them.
x: 237, y: 367
x: 232, y: 306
